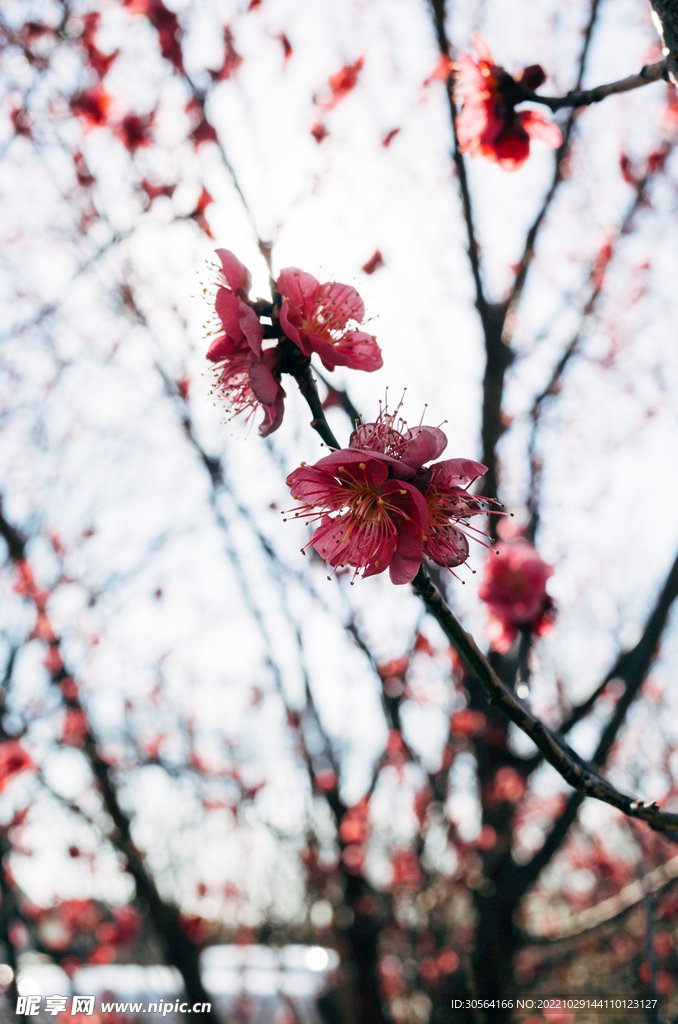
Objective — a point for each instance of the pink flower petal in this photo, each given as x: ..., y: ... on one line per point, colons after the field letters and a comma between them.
x: 369, y: 467
x: 428, y: 443
x: 250, y: 326
x: 315, y: 487
x: 264, y: 385
x: 299, y: 288
x: 227, y: 306
x: 222, y: 348
x: 482, y: 49
x: 537, y: 127
x: 341, y: 303
x: 291, y: 322
x: 235, y: 272
x: 360, y: 350
x: 457, y: 472
x: 273, y: 415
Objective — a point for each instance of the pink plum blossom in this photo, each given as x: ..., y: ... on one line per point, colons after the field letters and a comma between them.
x: 247, y: 375
x: 450, y: 506
x: 514, y: 589
x: 380, y: 507
x: 316, y: 317
x: 443, y: 484
x: 378, y: 523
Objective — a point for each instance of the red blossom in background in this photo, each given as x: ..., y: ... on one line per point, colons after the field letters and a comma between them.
x: 441, y: 72
x: 134, y: 131
x: 153, y: 191
x: 232, y: 59
x: 488, y: 124
x: 286, y: 45
x: 92, y: 105
x: 375, y: 261
x: 97, y: 60
x: 315, y: 317
x: 340, y: 85
x: 247, y: 376
x: 82, y: 171
x: 14, y: 760
x: 514, y: 589
x: 21, y: 120
x: 167, y: 26
x: 198, y: 214
x: 319, y: 132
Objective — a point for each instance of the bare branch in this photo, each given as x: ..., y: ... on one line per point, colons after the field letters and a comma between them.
x: 578, y: 773
x: 665, y: 17
x: 584, y: 98
x: 438, y: 13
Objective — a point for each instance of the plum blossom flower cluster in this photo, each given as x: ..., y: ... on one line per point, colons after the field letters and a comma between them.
x: 514, y: 590
x: 489, y: 124
x: 380, y: 506
x: 306, y: 318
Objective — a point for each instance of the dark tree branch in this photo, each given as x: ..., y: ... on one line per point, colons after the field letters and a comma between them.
x: 343, y: 399
x: 583, y: 98
x: 438, y: 13
x: 665, y: 17
x: 309, y: 390
x: 577, y: 773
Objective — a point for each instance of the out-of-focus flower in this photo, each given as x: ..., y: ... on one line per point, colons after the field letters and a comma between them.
x: 166, y: 25
x: 316, y: 317
x: 135, y: 131
x: 514, y: 589
x: 489, y: 124
x: 247, y: 376
x: 374, y: 262
x: 97, y: 60
x: 92, y: 105
x: 381, y: 508
x: 14, y: 760
x: 232, y: 59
